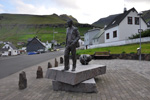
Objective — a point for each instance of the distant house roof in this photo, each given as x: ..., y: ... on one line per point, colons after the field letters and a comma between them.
x: 99, y: 34
x: 36, y: 39
x: 94, y: 29
x: 30, y: 39
x: 4, y: 49
x: 11, y: 45
x: 117, y: 20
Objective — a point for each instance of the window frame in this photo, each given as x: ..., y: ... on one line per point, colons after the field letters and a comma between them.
x: 137, y: 22
x: 130, y: 20
x: 115, y: 34
x: 107, y: 36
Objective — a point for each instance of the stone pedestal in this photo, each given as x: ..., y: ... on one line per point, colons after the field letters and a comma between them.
x: 82, y: 73
x: 81, y: 80
x: 88, y: 86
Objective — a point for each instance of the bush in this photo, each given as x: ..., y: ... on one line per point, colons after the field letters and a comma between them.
x: 145, y: 33
x: 132, y: 52
x: 123, y: 52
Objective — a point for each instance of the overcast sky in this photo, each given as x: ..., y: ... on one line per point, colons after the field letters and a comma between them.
x: 85, y: 11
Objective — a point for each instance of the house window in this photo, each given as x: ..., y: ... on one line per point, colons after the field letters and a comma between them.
x: 136, y: 20
x: 129, y: 20
x: 114, y: 34
x: 107, y: 36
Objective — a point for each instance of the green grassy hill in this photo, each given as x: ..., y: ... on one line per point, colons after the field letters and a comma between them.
x: 19, y: 28
x: 12, y: 19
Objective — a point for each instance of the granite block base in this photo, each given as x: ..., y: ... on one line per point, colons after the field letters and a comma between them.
x: 88, y: 86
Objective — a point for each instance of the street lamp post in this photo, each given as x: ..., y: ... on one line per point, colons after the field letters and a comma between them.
x: 140, y: 30
x: 53, y: 33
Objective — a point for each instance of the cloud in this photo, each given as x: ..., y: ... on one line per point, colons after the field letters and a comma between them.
x: 1, y: 8
x: 85, y: 11
x: 136, y: 1
x: 67, y: 3
x: 139, y: 5
x: 28, y: 8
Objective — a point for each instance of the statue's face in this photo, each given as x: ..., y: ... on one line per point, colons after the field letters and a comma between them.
x: 69, y: 23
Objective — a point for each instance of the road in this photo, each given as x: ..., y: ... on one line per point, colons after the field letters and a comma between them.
x: 13, y: 64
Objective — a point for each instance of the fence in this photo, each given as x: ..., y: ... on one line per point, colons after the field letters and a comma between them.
x: 117, y: 43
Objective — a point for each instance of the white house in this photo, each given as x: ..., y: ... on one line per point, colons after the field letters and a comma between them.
x: 81, y: 43
x: 98, y: 38
x: 124, y: 26
x: 47, y: 45
x: 9, y: 49
x: 89, y: 35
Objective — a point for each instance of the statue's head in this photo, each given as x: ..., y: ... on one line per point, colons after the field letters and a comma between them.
x: 70, y: 23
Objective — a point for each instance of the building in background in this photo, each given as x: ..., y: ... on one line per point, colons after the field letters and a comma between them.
x: 34, y: 45
x: 9, y: 49
x: 89, y: 35
x: 99, y: 37
x: 124, y: 26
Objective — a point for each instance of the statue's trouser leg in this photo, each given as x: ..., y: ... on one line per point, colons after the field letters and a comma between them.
x: 73, y: 52
x: 66, y: 58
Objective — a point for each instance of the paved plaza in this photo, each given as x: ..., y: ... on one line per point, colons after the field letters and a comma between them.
x: 124, y: 80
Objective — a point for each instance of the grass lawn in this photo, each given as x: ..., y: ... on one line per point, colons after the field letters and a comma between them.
x: 131, y: 48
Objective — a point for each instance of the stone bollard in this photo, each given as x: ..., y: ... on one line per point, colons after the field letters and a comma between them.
x: 39, y: 72
x: 22, y: 80
x: 61, y: 60
x: 56, y: 63
x: 49, y: 65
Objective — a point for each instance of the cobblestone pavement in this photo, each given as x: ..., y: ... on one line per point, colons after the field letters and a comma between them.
x: 124, y: 80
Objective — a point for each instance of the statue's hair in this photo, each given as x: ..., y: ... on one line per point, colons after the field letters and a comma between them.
x: 69, y: 21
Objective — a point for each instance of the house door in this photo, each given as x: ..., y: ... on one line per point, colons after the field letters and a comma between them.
x: 9, y: 54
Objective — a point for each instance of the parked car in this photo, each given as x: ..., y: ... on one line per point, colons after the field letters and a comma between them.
x: 40, y: 51
x: 32, y: 53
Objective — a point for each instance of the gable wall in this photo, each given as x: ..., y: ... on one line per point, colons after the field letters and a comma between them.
x: 34, y: 45
x: 127, y: 30
x: 111, y: 38
x: 89, y: 36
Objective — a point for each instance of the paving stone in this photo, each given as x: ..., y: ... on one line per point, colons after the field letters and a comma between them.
x: 82, y: 73
x: 88, y: 86
x: 122, y: 77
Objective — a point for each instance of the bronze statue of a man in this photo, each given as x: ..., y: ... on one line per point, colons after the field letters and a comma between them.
x: 72, y: 37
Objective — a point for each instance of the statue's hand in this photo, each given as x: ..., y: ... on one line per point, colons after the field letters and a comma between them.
x: 68, y: 46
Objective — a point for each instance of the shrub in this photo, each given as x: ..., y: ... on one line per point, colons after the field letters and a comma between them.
x: 145, y: 33
x: 123, y: 52
x: 132, y: 52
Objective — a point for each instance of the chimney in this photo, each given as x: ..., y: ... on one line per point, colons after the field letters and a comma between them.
x: 125, y: 9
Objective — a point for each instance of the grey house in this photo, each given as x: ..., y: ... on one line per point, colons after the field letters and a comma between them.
x: 89, y: 35
x: 99, y: 37
x: 34, y: 45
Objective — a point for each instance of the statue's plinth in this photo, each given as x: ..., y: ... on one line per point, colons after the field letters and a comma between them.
x: 88, y: 86
x: 82, y: 73
x: 77, y: 81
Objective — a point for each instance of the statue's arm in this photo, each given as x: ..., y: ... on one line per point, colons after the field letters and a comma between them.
x: 77, y: 36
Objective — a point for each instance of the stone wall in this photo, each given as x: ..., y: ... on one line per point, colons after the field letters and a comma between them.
x: 131, y: 56
x: 125, y: 56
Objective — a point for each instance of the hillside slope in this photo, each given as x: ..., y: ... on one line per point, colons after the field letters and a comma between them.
x: 9, y: 19
x: 19, y: 27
